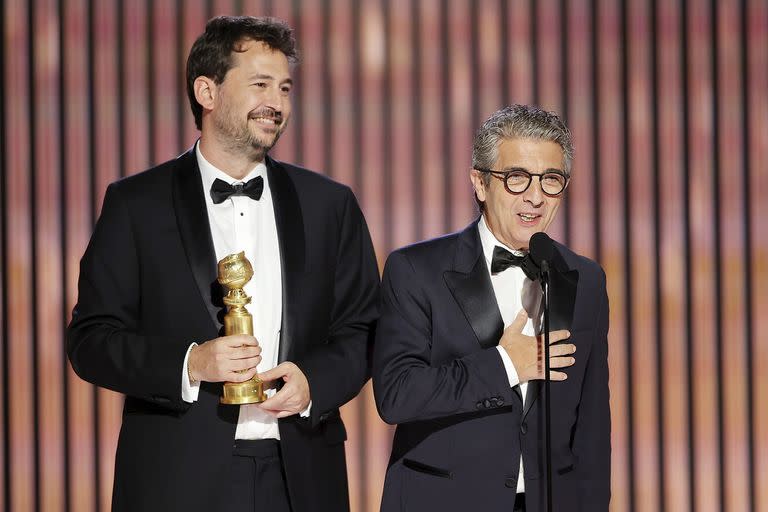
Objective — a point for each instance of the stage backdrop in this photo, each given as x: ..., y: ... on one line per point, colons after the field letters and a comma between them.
x: 667, y: 100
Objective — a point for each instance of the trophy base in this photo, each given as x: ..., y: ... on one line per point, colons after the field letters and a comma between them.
x: 248, y: 392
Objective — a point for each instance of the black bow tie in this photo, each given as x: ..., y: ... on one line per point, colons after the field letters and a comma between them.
x: 503, y: 259
x: 221, y: 190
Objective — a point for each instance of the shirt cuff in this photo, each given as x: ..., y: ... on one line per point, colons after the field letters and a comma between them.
x: 189, y: 391
x: 305, y: 412
x: 512, y: 376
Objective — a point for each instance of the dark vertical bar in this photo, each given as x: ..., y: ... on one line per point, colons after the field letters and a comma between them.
x: 685, y: 83
x: 416, y: 101
x: 238, y: 8
x: 268, y: 7
x: 627, y: 198
x: 596, y: 149
x: 6, y: 405
x: 717, y: 275
x: 447, y: 110
x: 181, y: 77
x: 474, y: 65
x: 121, y: 78
x: 93, y: 147
x: 208, y: 9
x: 565, y: 107
x: 33, y: 178
x: 747, y: 261
x: 659, y: 310
x: 504, y: 48
x: 63, y: 228
x: 534, y: 8
x: 297, y: 96
x: 326, y: 86
x: 150, y: 80
x: 386, y: 131
x: 357, y: 115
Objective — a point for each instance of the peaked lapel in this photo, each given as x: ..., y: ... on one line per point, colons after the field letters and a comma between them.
x: 290, y: 234
x: 470, y: 285
x: 563, y: 282
x: 195, y: 231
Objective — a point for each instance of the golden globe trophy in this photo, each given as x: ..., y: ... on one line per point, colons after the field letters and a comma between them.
x: 234, y: 272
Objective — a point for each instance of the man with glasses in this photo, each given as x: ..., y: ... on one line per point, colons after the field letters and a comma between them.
x: 458, y: 358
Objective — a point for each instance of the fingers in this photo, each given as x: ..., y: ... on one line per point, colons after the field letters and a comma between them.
x: 555, y: 336
x: 278, y: 372
x: 557, y: 376
x: 242, y: 375
x: 519, y: 322
x: 240, y: 340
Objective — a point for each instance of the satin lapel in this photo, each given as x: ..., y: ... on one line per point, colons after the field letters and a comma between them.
x: 562, y: 299
x: 470, y: 285
x: 195, y: 231
x: 290, y: 233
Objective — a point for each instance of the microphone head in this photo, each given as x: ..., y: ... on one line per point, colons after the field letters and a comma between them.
x: 541, y: 248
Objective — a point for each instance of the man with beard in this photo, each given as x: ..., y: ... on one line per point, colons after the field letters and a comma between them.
x: 148, y: 318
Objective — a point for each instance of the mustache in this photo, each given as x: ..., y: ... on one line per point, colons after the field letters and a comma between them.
x: 269, y: 113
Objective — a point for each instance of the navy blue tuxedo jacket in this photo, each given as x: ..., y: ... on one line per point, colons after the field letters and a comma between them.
x: 148, y: 289
x: 461, y: 429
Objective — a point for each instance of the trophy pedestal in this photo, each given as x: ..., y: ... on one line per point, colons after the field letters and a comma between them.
x: 248, y: 392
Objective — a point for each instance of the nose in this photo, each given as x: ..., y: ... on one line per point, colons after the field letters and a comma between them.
x: 534, y: 195
x: 274, y: 99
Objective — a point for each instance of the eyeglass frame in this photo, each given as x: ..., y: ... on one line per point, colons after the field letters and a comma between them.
x: 506, y: 173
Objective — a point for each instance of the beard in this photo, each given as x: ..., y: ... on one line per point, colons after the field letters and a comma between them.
x: 240, y: 137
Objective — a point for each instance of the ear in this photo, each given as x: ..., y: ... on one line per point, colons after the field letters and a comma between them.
x: 476, y: 177
x: 205, y: 92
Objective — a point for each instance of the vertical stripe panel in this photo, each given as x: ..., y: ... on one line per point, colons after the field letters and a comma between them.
x: 20, y: 264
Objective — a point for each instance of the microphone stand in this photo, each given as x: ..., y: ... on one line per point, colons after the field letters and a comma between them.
x: 547, y: 421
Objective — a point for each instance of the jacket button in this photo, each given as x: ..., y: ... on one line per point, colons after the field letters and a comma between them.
x: 511, y: 483
x: 524, y: 428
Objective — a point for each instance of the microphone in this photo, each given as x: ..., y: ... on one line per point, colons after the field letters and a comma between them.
x: 541, y: 249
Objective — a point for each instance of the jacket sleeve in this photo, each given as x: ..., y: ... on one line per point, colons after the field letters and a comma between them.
x: 338, y: 369
x: 406, y: 386
x: 592, y: 435
x: 104, y: 340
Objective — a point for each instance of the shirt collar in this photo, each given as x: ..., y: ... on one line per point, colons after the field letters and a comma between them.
x: 489, y: 241
x: 209, y: 173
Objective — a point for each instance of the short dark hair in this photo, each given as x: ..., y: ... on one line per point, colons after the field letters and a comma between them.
x: 211, y: 54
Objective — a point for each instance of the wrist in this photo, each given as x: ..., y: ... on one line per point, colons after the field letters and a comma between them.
x: 190, y: 374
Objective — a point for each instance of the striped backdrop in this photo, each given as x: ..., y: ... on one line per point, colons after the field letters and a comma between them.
x: 668, y: 101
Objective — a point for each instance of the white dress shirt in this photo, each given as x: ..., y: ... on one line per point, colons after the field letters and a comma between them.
x: 242, y: 224
x: 513, y: 291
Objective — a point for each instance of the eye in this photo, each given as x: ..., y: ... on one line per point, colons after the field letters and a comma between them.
x: 553, y: 178
x: 260, y: 84
x: 517, y: 177
x: 285, y: 89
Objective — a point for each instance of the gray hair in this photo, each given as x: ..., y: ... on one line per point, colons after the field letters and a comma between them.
x: 520, y: 122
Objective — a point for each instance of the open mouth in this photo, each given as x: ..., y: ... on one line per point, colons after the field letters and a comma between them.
x: 268, y: 121
x: 529, y: 217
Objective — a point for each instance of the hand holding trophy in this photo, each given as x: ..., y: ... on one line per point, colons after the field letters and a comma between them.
x: 234, y: 272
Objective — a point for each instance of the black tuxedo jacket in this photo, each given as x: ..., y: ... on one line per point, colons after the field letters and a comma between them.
x: 148, y: 289
x: 461, y: 428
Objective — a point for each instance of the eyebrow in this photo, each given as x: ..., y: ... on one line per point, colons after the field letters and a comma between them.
x: 260, y: 76
x: 551, y: 169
